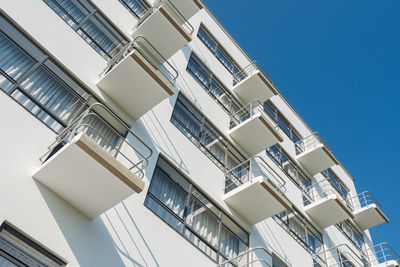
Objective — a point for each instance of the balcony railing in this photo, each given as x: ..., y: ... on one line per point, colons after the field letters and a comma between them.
x: 364, y: 199
x: 323, y: 189
x: 247, y: 112
x: 248, y: 170
x: 249, y: 70
x: 174, y: 12
x: 382, y: 253
x: 150, y: 53
x: 310, y: 142
x: 104, y: 133
x: 257, y: 256
x: 340, y: 256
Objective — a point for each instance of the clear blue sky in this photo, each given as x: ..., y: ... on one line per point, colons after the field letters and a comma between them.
x: 338, y: 63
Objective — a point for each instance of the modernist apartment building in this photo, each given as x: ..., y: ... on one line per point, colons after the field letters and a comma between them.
x: 139, y: 133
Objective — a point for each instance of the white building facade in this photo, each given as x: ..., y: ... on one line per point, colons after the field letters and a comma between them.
x: 139, y: 133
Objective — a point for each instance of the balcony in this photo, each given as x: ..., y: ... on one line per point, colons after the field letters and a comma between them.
x: 252, y: 129
x: 315, y: 154
x: 138, y: 78
x: 343, y: 255
x: 325, y: 205
x: 188, y: 7
x: 165, y: 27
x: 383, y: 255
x: 255, y: 191
x: 367, y: 211
x: 253, y: 82
x: 92, y: 165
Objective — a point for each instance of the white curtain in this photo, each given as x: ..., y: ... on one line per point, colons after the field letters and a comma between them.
x: 135, y: 6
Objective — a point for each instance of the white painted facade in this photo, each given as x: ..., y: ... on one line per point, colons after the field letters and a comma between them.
x: 130, y: 234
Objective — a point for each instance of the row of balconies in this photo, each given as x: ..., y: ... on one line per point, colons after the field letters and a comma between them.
x: 82, y: 165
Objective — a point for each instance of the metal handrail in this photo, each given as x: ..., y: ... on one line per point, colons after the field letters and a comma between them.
x: 310, y: 142
x: 172, y: 73
x: 249, y: 169
x: 323, y: 189
x: 78, y: 126
x: 250, y: 254
x: 338, y: 261
x: 250, y: 70
x: 364, y: 199
x: 247, y: 112
x: 175, y: 12
x: 382, y: 253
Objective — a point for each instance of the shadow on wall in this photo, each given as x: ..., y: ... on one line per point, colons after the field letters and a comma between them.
x: 89, y: 241
x: 131, y: 241
x: 266, y: 233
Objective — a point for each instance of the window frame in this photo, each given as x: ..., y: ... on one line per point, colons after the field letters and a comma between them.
x: 184, y: 224
x: 142, y: 3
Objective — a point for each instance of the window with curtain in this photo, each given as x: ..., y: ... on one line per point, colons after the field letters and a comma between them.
x: 193, y: 215
x: 31, y: 77
x: 90, y: 24
x: 216, y: 48
x: 16, y: 249
x: 282, y: 122
x: 211, y: 85
x: 196, y: 127
x: 350, y: 231
x: 137, y: 7
x: 290, y: 168
x: 301, y: 230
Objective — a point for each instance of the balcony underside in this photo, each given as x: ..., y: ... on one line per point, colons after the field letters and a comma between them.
x: 255, y: 134
x: 317, y: 159
x: 369, y: 216
x: 257, y: 200
x: 328, y: 211
x: 135, y: 85
x: 87, y: 177
x: 188, y: 7
x: 255, y: 86
x: 163, y: 31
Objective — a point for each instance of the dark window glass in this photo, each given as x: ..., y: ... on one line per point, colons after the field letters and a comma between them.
x: 18, y: 250
x: 136, y: 7
x: 32, y: 78
x: 86, y: 20
x: 203, y: 134
x: 283, y: 124
x: 219, y: 52
x: 301, y: 230
x: 193, y: 215
x: 211, y: 85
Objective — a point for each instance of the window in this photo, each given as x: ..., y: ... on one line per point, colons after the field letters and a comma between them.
x: 92, y: 26
x: 277, y: 262
x: 204, y: 135
x: 35, y: 81
x: 283, y: 124
x: 176, y: 201
x: 211, y: 85
x: 136, y: 7
x: 336, y: 182
x: 348, y: 229
x: 301, y: 230
x: 290, y: 168
x: 18, y: 250
x: 219, y: 52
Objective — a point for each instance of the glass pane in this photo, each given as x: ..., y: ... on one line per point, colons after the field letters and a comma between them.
x: 231, y: 245
x: 135, y: 6
x: 71, y: 11
x: 163, y: 213
x: 206, y: 39
x: 224, y: 59
x: 5, y: 84
x: 37, y: 111
x: 203, y: 246
x: 13, y: 60
x: 50, y: 93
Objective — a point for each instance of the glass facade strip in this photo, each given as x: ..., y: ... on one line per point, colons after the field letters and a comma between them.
x: 33, y: 79
x: 137, y: 7
x: 92, y: 26
x: 212, y: 86
x: 348, y: 229
x: 184, y: 208
x: 204, y: 135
